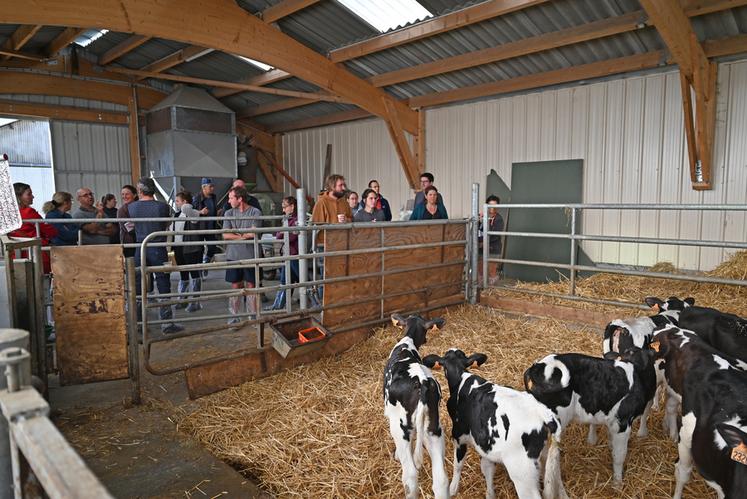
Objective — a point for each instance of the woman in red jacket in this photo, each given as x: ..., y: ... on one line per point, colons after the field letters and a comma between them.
x: 25, y: 199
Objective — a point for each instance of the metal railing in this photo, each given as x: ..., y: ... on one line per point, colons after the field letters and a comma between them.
x: 574, y: 236
x: 34, y: 438
x: 307, y: 287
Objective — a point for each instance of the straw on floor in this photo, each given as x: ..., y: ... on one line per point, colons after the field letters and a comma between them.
x: 319, y: 430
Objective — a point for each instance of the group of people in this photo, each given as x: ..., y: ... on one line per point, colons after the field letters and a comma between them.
x: 336, y: 204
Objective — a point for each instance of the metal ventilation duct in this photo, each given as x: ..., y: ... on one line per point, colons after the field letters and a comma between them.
x: 191, y: 134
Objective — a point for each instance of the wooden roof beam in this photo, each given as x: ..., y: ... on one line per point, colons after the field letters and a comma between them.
x: 120, y: 49
x: 19, y: 38
x: 186, y: 54
x: 285, y: 8
x: 63, y: 40
x: 267, y: 78
x: 696, y: 72
x: 437, y: 25
x: 227, y: 84
x: 62, y: 113
x: 223, y: 25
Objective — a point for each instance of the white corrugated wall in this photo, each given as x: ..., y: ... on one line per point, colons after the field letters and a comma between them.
x: 87, y: 154
x: 629, y: 132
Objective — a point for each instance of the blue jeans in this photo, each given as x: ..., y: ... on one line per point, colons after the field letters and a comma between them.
x: 153, y: 257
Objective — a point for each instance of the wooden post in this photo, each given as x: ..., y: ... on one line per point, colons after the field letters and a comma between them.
x: 134, y: 135
x: 420, y: 142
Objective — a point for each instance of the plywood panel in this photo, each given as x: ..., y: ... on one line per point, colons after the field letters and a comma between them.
x: 89, y: 312
x: 416, y: 284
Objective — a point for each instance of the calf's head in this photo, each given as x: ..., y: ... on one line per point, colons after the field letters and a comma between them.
x: 416, y: 328
x: 736, y: 440
x: 548, y: 375
x: 671, y: 304
x: 641, y: 358
x: 454, y: 362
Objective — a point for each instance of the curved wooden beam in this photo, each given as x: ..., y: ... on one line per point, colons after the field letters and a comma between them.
x: 220, y: 24
x: 15, y: 82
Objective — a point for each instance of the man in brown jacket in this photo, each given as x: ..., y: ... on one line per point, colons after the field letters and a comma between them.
x: 331, y: 207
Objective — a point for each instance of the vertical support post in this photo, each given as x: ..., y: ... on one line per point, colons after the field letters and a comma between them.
x: 572, y: 282
x: 420, y: 142
x: 303, y: 263
x: 485, y: 247
x: 381, y: 246
x: 287, y: 265
x: 475, y: 244
x: 256, y: 297
x: 134, y: 136
x: 38, y: 336
x: 132, y: 339
x: 9, y: 338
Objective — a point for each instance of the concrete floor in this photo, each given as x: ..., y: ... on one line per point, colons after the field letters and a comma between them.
x: 136, y: 451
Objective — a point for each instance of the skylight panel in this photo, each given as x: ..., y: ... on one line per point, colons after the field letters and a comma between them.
x: 6, y: 121
x: 260, y: 65
x: 88, y: 37
x: 387, y: 14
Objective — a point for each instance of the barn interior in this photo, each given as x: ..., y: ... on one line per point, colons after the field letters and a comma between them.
x: 612, y: 131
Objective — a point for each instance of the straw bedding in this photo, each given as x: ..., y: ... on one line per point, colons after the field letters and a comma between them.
x: 319, y: 430
x: 633, y: 289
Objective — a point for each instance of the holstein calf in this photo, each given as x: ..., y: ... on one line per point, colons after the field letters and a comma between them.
x: 411, y: 398
x: 623, y: 334
x: 599, y: 391
x: 714, y: 412
x: 503, y: 425
x: 724, y: 332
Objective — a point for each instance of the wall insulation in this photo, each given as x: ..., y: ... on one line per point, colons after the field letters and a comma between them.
x: 628, y: 131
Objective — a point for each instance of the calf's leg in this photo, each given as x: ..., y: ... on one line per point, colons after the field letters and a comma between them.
x: 524, y: 473
x: 460, y: 452
x: 684, y: 465
x: 591, y: 438
x: 437, y: 450
x: 404, y: 456
x: 619, y: 441
x: 643, y: 428
x: 488, y: 471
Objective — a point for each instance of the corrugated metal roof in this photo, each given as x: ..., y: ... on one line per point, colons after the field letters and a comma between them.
x: 327, y: 25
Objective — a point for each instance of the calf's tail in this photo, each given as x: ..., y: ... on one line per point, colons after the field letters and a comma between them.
x: 553, y: 481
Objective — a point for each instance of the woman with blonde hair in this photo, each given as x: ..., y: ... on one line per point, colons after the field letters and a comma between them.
x: 59, y: 208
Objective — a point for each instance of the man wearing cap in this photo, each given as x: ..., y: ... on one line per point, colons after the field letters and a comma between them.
x: 147, y: 207
x: 206, y: 203
x: 252, y: 200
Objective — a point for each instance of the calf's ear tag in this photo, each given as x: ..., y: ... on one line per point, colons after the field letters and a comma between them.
x: 530, y: 384
x: 655, y: 307
x: 739, y: 454
x: 474, y: 365
x: 395, y: 322
x: 437, y: 365
x: 655, y: 346
x: 434, y: 328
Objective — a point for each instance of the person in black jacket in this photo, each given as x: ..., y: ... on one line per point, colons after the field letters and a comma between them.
x: 252, y: 200
x: 381, y: 203
x: 206, y: 203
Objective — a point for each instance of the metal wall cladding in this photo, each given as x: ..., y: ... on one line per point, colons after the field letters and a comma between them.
x: 26, y: 142
x: 90, y: 155
x: 361, y: 152
x: 629, y: 132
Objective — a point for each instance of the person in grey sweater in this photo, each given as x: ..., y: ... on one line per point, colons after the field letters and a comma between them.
x: 238, y: 197
x: 369, y: 212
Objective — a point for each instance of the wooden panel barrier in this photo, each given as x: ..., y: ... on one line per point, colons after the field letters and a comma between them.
x: 89, y: 313
x: 425, y: 285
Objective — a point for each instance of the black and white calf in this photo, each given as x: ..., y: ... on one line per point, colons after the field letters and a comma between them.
x: 598, y: 391
x: 411, y: 398
x: 503, y: 425
x: 724, y: 332
x: 622, y: 334
x: 714, y: 412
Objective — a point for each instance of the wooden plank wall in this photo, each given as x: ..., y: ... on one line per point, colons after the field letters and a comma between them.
x: 89, y: 313
x: 426, y: 287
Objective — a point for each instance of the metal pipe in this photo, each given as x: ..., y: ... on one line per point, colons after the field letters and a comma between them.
x: 132, y: 339
x: 39, y: 338
x: 485, y: 247
x: 303, y: 263
x: 317, y: 282
x: 9, y: 338
x: 288, y: 270
x: 573, y: 298
x: 644, y: 206
x: 572, y: 283
x: 475, y: 242
x: 605, y: 270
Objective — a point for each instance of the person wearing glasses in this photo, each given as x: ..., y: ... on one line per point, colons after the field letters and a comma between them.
x: 291, y: 212
x: 426, y: 180
x: 93, y: 233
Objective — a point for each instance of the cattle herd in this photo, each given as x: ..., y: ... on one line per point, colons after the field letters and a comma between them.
x: 697, y: 356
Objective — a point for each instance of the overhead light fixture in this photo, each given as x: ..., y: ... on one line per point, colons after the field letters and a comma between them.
x: 88, y: 37
x: 260, y: 65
